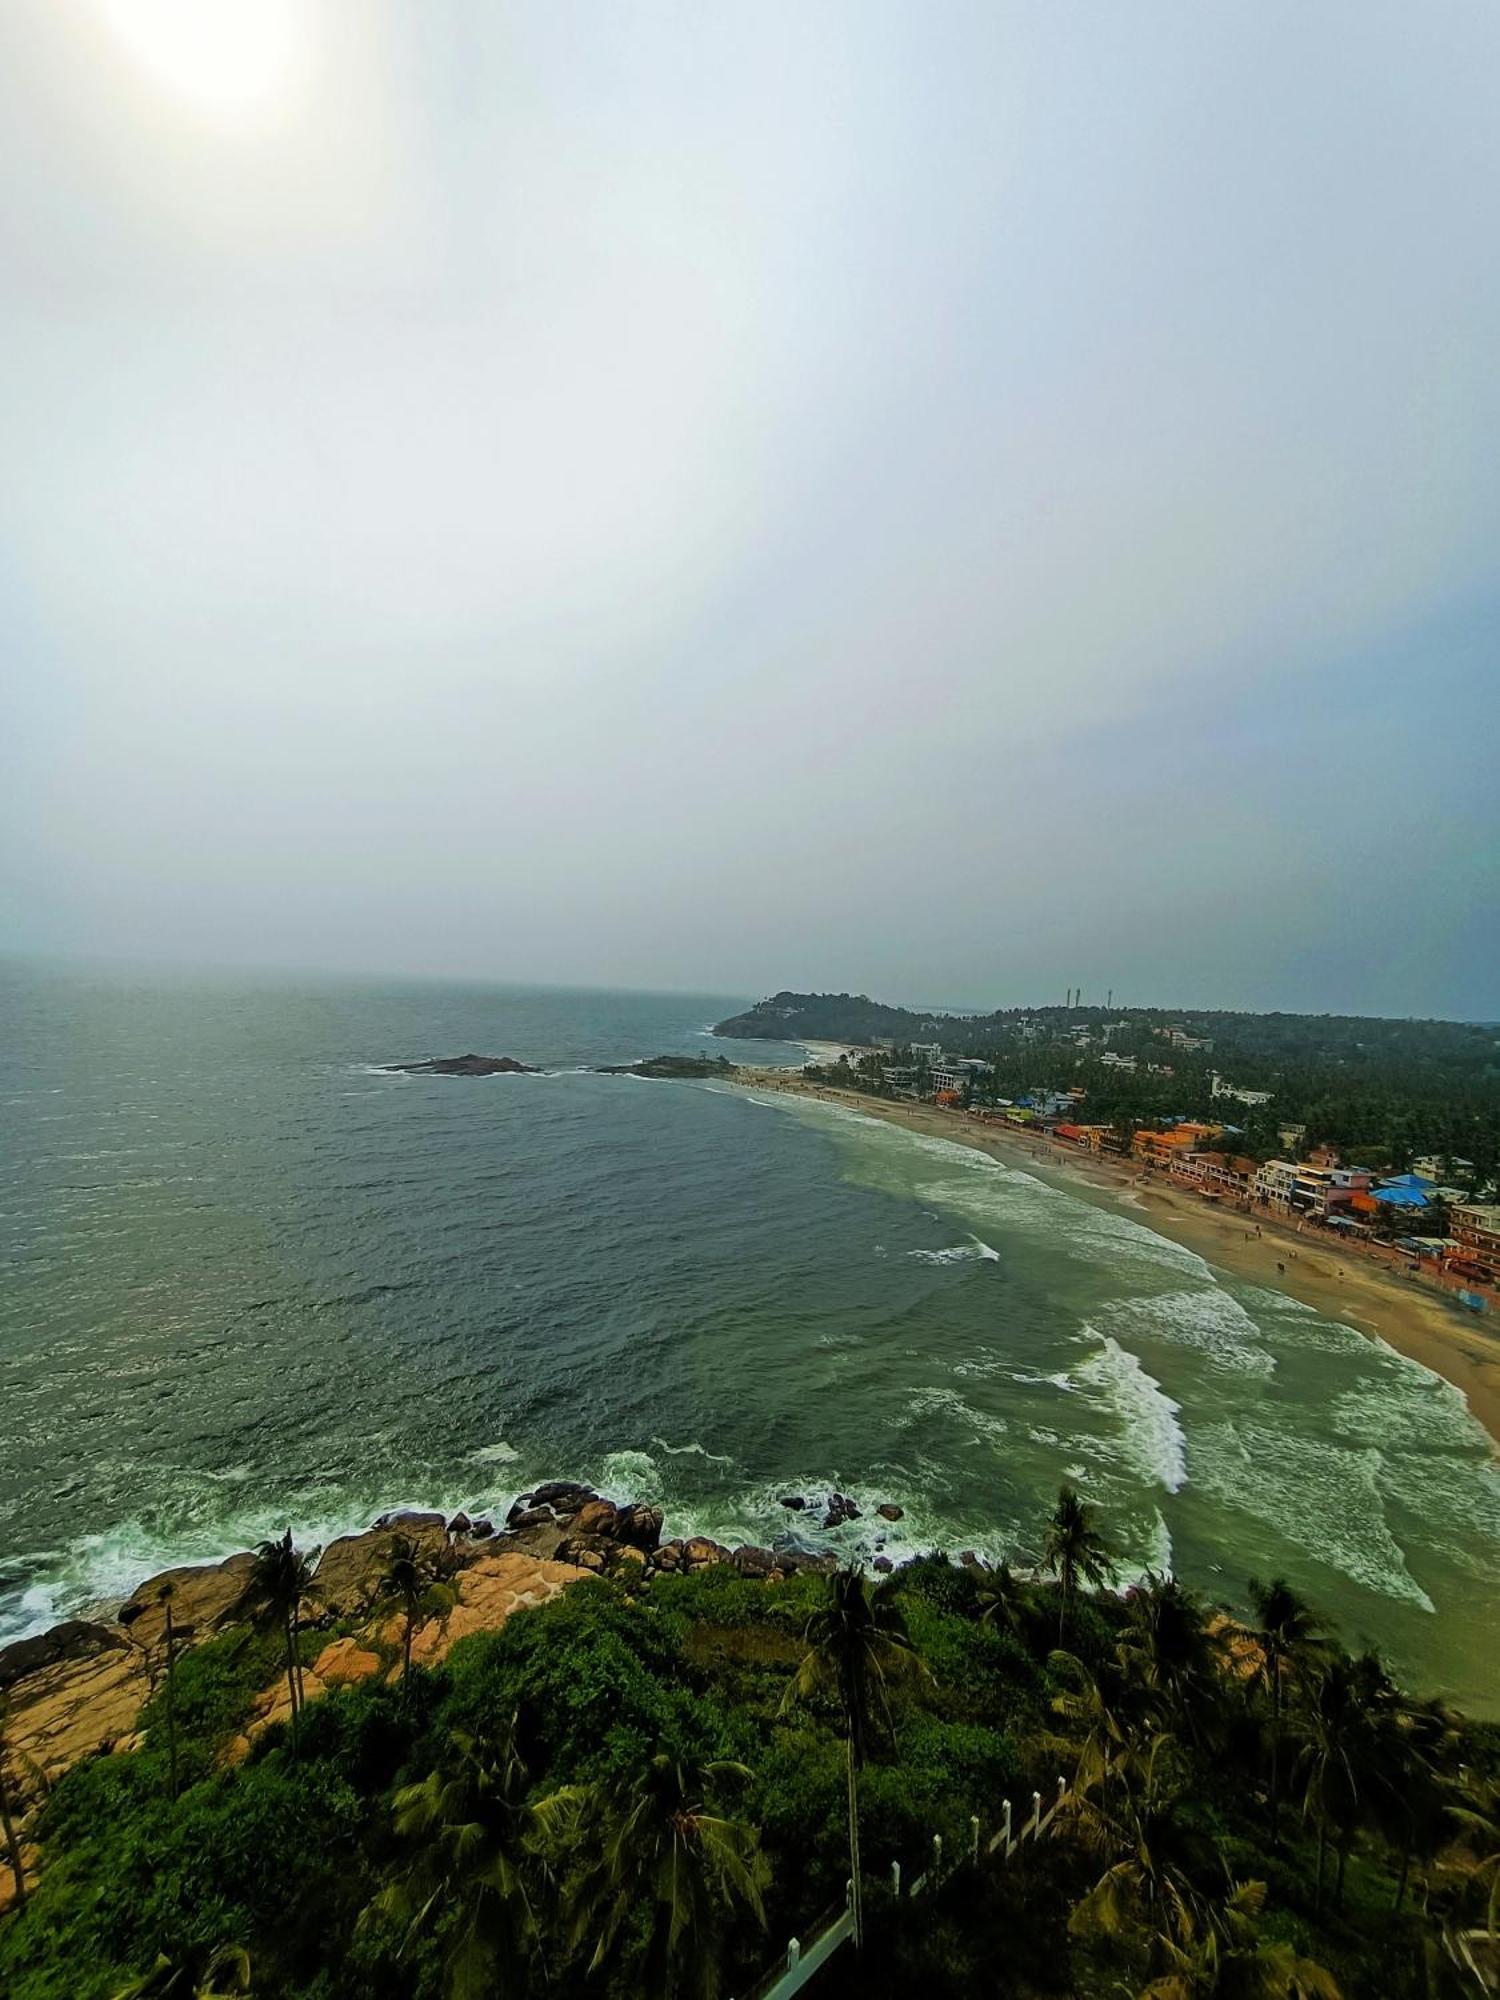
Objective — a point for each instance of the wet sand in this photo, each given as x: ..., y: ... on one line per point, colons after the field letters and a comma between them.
x: 1417, y: 1322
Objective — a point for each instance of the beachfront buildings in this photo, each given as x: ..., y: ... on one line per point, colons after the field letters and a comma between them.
x: 1475, y: 1229
x: 1297, y: 1188
x: 958, y: 1074
x: 1161, y: 1149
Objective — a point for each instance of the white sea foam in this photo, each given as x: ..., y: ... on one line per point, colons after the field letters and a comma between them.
x: 693, y: 1450
x: 499, y: 1453
x: 1322, y: 1497
x: 950, y: 1404
x: 1151, y: 1441
x: 1205, y: 1318
x: 959, y: 1253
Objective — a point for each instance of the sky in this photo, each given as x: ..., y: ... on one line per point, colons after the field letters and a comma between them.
x: 950, y: 501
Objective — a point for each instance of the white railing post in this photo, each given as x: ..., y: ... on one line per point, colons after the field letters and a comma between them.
x: 1036, y: 1810
x: 793, y: 1954
x: 896, y: 1880
x: 937, y: 1857
x: 974, y: 1838
x: 1005, y: 1827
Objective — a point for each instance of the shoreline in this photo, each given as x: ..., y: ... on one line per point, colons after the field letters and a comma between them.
x: 1419, y: 1324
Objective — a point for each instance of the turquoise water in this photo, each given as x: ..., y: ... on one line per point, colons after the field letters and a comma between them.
x: 248, y: 1279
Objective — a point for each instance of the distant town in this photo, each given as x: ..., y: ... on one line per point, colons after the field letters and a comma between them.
x: 1385, y: 1132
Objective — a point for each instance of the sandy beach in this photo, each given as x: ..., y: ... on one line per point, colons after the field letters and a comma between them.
x: 1418, y: 1322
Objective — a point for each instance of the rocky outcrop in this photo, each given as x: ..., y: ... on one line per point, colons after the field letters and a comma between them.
x: 470, y: 1065
x: 840, y: 1509
x: 667, y: 1067
x: 349, y: 1570
x: 204, y: 1598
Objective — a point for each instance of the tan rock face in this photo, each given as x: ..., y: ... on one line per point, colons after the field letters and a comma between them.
x: 204, y: 1597
x: 344, y: 1662
x: 489, y: 1591
x: 69, y: 1711
x: 349, y: 1570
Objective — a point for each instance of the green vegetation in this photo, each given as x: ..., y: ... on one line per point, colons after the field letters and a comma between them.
x: 1383, y: 1092
x: 647, y: 1792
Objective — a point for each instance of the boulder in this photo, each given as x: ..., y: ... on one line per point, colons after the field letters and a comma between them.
x: 639, y: 1525
x: 349, y: 1570
x: 460, y: 1525
x: 566, y: 1496
x: 752, y: 1561
x: 840, y: 1509
x: 668, y: 1555
x: 793, y: 1500
x: 883, y: 1565
x: 411, y: 1521
x: 889, y: 1511
x: 589, y: 1559
x: 797, y: 1562
x: 204, y: 1597
x: 701, y: 1553
x: 532, y: 1517
x: 596, y: 1517
x: 480, y: 1531
x: 627, y: 1555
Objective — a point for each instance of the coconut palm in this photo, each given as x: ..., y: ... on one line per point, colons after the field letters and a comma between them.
x: 221, y: 1973
x: 1288, y: 1640
x: 1105, y: 1723
x: 1074, y: 1551
x: 1155, y: 1862
x: 662, y: 1860
x: 1168, y: 1649
x: 469, y: 1825
x: 1337, y: 1759
x: 858, y: 1651
x: 280, y: 1583
x: 1223, y: 1958
x: 408, y: 1573
x: 169, y: 1688
x: 1002, y: 1599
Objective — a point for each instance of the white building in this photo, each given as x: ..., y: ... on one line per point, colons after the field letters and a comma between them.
x: 1219, y: 1088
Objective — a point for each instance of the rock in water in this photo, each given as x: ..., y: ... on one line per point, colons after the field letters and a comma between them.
x: 889, y: 1511
x: 465, y: 1066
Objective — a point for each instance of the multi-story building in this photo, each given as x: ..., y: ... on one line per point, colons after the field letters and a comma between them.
x: 1273, y: 1184
x: 1112, y: 1061
x: 1219, y: 1088
x: 1475, y: 1228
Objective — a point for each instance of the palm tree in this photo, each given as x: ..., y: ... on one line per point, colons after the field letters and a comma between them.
x: 407, y: 1575
x: 1002, y: 1599
x: 169, y: 1691
x: 222, y: 1973
x: 656, y: 1845
x: 1336, y: 1760
x: 1168, y: 1649
x: 8, y: 1824
x: 1107, y: 1711
x: 280, y: 1583
x: 1288, y: 1639
x: 1223, y: 1958
x: 858, y: 1651
x: 1074, y: 1550
x: 470, y: 1826
x: 1154, y: 1860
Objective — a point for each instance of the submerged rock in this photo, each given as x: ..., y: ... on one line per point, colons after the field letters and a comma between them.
x: 840, y: 1509
x: 889, y: 1511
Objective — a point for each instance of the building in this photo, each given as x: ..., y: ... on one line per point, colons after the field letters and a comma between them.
x: 1443, y: 1166
x: 1162, y: 1149
x: 1181, y: 1039
x: 927, y: 1053
x: 959, y: 1074
x: 1405, y: 1191
x: 1475, y: 1228
x: 1112, y: 1061
x: 1273, y: 1183
x: 1219, y: 1088
x: 1290, y: 1137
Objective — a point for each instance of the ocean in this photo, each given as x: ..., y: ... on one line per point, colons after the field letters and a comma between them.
x: 248, y: 1278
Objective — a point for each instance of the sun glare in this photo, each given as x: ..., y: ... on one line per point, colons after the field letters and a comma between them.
x: 234, y: 62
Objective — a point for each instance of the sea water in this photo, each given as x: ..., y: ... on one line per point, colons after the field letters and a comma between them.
x: 251, y: 1277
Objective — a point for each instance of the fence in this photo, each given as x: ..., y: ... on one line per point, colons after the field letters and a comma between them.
x: 803, y: 1957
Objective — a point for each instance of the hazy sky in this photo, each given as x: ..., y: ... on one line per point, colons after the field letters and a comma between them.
x: 949, y: 500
